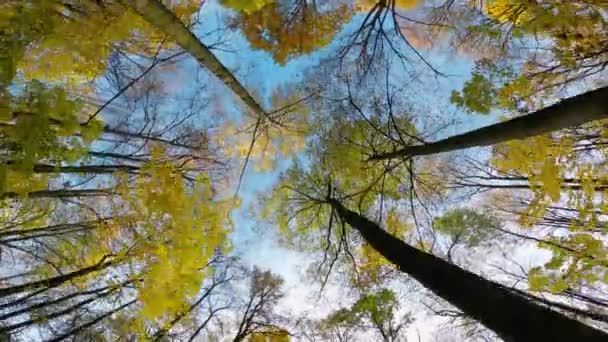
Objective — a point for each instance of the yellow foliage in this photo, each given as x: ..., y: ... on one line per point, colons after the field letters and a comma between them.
x: 247, y: 6
x: 270, y: 336
x: 558, y: 173
x: 82, y: 36
x: 366, y: 5
x: 507, y: 11
x: 272, y: 141
x: 539, y: 159
x: 287, y: 34
x: 179, y: 228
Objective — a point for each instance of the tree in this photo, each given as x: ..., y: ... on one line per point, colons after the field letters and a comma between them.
x: 257, y: 321
x: 466, y: 227
x: 572, y: 52
x: 75, y: 39
x: 545, y: 184
x: 575, y: 111
x: 376, y: 310
x: 104, y: 213
x: 293, y: 28
x: 499, y: 308
x: 314, y: 200
x: 311, y: 204
x: 115, y: 217
x: 164, y: 20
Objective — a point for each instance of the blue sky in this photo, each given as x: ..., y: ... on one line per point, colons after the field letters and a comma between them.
x: 256, y: 241
x: 258, y: 72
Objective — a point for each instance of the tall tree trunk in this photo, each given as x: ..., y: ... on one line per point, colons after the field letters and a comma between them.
x: 62, y: 299
x: 571, y: 112
x: 511, y: 316
x: 119, y: 156
x: 574, y: 187
x: 51, y: 315
x: 55, y: 281
x: 159, y: 16
x: 143, y: 136
x: 59, y: 193
x: 94, y: 322
x: 52, y: 228
x: 90, y: 169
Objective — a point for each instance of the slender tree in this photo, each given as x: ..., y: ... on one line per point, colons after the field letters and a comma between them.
x: 578, y: 110
x: 510, y: 315
x: 56, y: 281
x: 375, y: 310
x: 163, y: 19
x: 256, y: 318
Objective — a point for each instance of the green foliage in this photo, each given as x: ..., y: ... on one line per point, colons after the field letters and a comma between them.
x: 571, y: 37
x: 20, y: 24
x: 71, y: 41
x: 492, y: 85
x: 466, y: 226
x: 179, y: 231
x: 578, y: 257
x: 377, y: 309
x: 378, y: 306
x: 478, y: 95
x: 42, y: 125
x: 334, y: 157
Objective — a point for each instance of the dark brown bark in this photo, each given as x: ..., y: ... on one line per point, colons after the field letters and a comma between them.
x: 511, y: 316
x: 571, y: 112
x: 92, y: 169
x: 576, y: 187
x: 512, y: 182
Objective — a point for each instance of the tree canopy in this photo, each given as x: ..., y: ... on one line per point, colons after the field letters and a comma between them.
x: 164, y: 162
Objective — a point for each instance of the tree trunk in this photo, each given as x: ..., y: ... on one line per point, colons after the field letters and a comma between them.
x: 55, y: 281
x: 52, y: 228
x: 84, y: 326
x: 571, y: 112
x: 62, y: 299
x: 119, y: 156
x: 574, y: 187
x: 90, y: 169
x: 48, y: 316
x: 164, y: 20
x: 146, y: 137
x: 511, y: 316
x: 59, y: 193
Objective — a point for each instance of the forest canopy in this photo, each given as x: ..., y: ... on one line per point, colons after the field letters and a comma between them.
x: 297, y: 170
